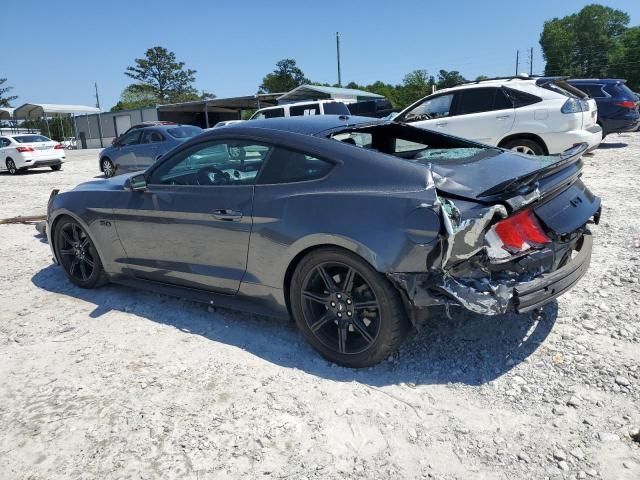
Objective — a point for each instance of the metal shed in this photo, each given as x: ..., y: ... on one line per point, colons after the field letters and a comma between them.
x: 319, y: 92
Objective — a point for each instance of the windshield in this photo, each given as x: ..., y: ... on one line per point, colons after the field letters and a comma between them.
x: 184, y: 132
x: 413, y: 144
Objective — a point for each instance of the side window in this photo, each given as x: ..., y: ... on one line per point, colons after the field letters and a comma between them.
x: 520, y: 98
x: 306, y: 110
x: 151, y: 136
x: 286, y: 166
x: 130, y: 138
x: 4, y: 142
x: 436, y: 107
x: 594, y: 91
x: 227, y: 162
x: 477, y: 100
x: 501, y: 101
x: 273, y: 113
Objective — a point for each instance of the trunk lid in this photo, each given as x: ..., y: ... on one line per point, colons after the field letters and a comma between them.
x: 41, y: 149
x: 493, y: 175
x: 551, y: 185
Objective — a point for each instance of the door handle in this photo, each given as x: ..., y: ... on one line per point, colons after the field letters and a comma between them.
x: 227, y: 214
x: 441, y: 124
x: 502, y: 117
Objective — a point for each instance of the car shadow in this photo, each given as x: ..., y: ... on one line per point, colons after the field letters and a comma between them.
x: 466, y: 348
x: 606, y: 146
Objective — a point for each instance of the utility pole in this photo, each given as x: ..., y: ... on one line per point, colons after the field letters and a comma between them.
x: 97, y: 97
x: 531, y: 62
x: 338, y: 54
x: 517, y: 60
x: 98, y: 116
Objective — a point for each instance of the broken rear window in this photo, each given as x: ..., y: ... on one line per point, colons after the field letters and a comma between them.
x: 410, y: 143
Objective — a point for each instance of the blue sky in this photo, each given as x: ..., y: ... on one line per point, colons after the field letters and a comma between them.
x: 55, y: 50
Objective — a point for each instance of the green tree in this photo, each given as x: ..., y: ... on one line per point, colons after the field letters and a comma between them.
x: 626, y: 63
x: 136, y: 95
x: 5, y: 98
x: 447, y: 79
x: 162, y: 74
x: 584, y: 44
x: 480, y: 78
x: 284, y: 78
x: 415, y: 85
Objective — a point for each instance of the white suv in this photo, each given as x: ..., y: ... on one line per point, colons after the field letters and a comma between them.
x: 536, y: 116
x: 316, y: 107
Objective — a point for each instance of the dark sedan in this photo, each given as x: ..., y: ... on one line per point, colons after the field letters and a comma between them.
x: 354, y: 227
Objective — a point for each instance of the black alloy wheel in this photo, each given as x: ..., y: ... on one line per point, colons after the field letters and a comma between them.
x: 11, y: 167
x: 347, y: 310
x: 77, y: 254
x: 340, y: 308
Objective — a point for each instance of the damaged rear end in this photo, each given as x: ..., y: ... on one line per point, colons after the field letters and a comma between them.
x: 514, y: 232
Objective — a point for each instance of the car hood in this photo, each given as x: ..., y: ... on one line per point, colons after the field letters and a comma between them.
x: 492, y: 174
x: 108, y: 184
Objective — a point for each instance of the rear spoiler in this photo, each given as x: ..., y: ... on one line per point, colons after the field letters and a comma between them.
x: 562, y: 83
x: 569, y: 156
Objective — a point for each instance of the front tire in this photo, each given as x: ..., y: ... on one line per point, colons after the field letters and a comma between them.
x: 11, y: 167
x: 108, y: 168
x: 56, y: 168
x: 345, y: 309
x: 525, y: 146
x: 77, y: 254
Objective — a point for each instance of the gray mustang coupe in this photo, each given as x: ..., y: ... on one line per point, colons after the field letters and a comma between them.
x: 353, y: 227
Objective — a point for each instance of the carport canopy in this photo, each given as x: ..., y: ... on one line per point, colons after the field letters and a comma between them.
x: 39, y: 110
x: 6, y: 113
x: 320, y: 92
x: 249, y: 102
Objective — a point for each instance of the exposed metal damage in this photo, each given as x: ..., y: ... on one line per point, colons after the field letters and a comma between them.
x: 473, y: 270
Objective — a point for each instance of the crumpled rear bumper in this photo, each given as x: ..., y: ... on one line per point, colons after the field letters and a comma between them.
x: 531, y: 295
x: 494, y: 297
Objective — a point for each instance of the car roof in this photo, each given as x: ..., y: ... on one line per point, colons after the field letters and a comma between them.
x: 306, y: 125
x: 599, y: 80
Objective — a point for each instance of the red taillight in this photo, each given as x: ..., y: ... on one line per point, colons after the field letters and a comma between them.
x: 520, y: 229
x: 24, y: 149
x: 626, y: 104
x: 58, y: 147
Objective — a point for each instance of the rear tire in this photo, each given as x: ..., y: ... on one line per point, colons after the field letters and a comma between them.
x: 11, y: 167
x: 77, y: 254
x: 56, y: 168
x: 107, y: 167
x: 345, y: 309
x: 524, y: 145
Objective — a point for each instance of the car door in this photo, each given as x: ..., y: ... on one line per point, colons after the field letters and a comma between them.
x: 4, y: 146
x: 191, y: 225
x: 150, y: 143
x: 483, y: 114
x: 432, y: 113
x: 125, y: 151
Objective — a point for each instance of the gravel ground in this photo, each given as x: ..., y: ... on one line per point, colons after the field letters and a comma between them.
x: 119, y: 383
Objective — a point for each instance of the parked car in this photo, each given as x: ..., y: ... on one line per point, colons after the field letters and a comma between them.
x: 317, y: 107
x: 356, y: 228
x: 23, y: 152
x: 617, y: 104
x: 536, y: 116
x: 69, y: 143
x: 150, y: 123
x: 226, y: 123
x: 141, y: 147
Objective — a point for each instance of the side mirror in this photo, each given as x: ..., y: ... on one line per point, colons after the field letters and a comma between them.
x: 137, y: 183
